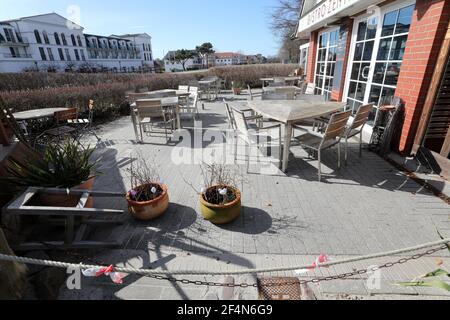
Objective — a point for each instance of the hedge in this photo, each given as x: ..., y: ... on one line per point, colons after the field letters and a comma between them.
x: 41, y: 90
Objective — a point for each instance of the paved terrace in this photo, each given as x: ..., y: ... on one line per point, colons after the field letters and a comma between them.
x: 287, y: 219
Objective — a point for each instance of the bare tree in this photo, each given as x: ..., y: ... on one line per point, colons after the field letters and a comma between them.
x: 284, y: 20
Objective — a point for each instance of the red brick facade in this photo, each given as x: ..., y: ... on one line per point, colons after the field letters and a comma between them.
x: 428, y: 28
x: 312, y: 55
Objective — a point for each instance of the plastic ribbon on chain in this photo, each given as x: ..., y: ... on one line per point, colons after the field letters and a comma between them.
x: 116, y: 277
x: 323, y: 258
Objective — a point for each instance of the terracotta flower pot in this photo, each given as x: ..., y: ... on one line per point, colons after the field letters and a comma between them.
x: 51, y: 200
x: 221, y: 214
x: 149, y: 210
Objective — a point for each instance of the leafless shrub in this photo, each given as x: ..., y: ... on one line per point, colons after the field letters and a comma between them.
x: 144, y: 178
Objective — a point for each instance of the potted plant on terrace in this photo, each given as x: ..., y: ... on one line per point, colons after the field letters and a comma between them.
x: 237, y: 87
x: 62, y: 165
x: 220, y: 198
x: 148, y: 198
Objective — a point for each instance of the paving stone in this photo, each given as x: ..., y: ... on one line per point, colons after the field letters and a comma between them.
x: 366, y: 207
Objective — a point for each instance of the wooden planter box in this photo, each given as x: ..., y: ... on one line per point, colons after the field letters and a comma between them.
x: 6, y: 134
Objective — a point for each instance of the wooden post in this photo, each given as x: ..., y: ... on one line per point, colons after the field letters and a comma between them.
x: 433, y: 91
x: 12, y: 274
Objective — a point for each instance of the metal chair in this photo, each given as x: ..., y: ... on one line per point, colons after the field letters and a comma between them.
x: 318, y: 142
x: 310, y: 89
x: 253, y: 134
x: 251, y: 117
x: 150, y: 112
x: 190, y: 108
x: 357, y: 127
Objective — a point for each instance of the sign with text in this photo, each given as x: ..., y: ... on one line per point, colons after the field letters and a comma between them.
x: 323, y: 11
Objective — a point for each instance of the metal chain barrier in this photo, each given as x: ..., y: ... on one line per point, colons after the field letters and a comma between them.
x: 301, y: 282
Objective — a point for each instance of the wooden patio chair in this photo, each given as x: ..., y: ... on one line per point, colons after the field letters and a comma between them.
x: 150, y: 112
x: 332, y: 136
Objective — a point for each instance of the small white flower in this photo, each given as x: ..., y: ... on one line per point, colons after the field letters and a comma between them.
x: 202, y: 190
x: 223, y: 192
x: 153, y: 190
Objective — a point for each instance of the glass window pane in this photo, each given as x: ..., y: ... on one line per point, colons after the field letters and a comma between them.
x: 398, y: 48
x: 375, y: 93
x: 392, y: 73
x: 368, y: 50
x: 355, y: 71
x: 383, y: 51
x: 322, y: 54
x: 323, y: 40
x: 349, y: 105
x: 317, y: 81
x: 332, y: 54
x: 360, y: 91
x: 330, y: 69
x: 352, y: 89
x: 386, y: 96
x: 378, y: 75
x: 389, y: 23
x: 321, y: 68
x: 362, y: 27
x: 333, y: 38
x: 404, y: 19
x: 364, y: 72
x: 372, y: 117
x: 372, y: 25
x: 328, y: 84
x: 358, y: 51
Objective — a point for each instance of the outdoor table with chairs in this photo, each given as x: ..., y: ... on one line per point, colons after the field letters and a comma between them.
x: 284, y: 80
x: 291, y: 112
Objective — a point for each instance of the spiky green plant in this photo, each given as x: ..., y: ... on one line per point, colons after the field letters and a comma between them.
x: 432, y: 279
x: 64, y: 165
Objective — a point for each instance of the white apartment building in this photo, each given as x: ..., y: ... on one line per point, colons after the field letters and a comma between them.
x: 50, y: 42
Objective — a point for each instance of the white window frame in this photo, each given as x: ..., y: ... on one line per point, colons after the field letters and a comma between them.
x: 391, y: 7
x: 329, y: 30
x: 303, y: 48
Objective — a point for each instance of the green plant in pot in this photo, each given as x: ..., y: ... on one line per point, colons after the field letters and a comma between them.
x: 61, y: 165
x: 148, y: 198
x: 237, y: 87
x: 220, y: 198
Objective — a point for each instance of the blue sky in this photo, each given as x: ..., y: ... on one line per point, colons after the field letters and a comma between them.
x: 231, y: 25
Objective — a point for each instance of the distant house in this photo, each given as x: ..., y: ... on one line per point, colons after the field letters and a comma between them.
x: 171, y: 65
x: 255, y: 59
x: 229, y: 58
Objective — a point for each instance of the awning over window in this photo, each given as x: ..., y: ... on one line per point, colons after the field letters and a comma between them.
x: 329, y: 11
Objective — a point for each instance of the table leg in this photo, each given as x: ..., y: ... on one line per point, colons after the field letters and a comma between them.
x: 177, y: 110
x: 133, y: 119
x: 286, y: 146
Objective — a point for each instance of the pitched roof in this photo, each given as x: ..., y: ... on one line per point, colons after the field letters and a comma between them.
x: 225, y: 55
x: 43, y: 15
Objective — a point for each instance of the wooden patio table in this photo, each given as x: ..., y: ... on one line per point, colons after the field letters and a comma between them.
x: 290, y: 112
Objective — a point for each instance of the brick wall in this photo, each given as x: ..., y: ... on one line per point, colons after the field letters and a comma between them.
x: 428, y: 28
x: 312, y: 55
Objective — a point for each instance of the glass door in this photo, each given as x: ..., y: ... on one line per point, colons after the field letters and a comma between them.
x: 378, y: 46
x: 326, y: 62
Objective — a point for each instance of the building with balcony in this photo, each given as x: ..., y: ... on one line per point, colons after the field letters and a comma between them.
x: 50, y: 42
x: 229, y: 58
